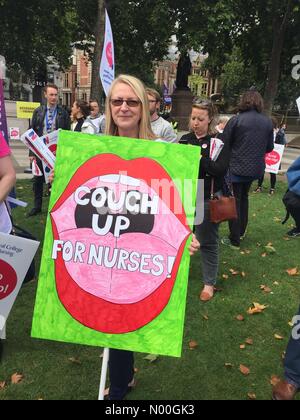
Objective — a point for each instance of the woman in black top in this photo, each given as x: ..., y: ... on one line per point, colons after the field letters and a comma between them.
x: 250, y: 135
x: 207, y: 233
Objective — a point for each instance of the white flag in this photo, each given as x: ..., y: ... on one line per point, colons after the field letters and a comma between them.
x: 107, y: 66
x: 298, y: 104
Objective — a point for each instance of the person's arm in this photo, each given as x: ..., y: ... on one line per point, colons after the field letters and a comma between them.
x: 7, y: 177
x: 169, y: 134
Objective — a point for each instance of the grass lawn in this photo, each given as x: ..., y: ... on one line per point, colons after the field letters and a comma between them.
x: 211, y: 371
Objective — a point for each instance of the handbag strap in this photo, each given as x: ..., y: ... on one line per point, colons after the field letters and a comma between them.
x: 212, y: 188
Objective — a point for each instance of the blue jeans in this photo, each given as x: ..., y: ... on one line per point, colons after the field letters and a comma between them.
x: 208, y: 235
x: 292, y: 359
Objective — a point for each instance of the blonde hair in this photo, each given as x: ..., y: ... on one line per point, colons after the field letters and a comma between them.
x: 145, y: 131
x: 211, y: 110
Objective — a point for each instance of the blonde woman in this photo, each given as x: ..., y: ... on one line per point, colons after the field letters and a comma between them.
x: 127, y: 115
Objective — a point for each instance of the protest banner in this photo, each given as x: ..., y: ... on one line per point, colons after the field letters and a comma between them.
x: 115, y: 260
x: 25, y: 109
x: 50, y: 140
x: 273, y: 159
x: 16, y: 255
x: 14, y: 133
x: 38, y: 147
x: 107, y: 65
x: 5, y: 221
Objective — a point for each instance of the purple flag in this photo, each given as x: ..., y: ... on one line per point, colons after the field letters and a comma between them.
x: 3, y: 122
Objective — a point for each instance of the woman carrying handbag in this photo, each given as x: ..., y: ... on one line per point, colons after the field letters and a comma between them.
x: 212, y: 173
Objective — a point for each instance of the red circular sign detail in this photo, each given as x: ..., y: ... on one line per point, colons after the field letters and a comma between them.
x: 8, y: 279
x: 272, y: 158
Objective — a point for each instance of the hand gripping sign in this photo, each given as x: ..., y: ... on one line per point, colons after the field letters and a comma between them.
x: 115, y: 261
x: 16, y: 255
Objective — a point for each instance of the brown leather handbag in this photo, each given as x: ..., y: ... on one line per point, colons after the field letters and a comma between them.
x: 222, y: 209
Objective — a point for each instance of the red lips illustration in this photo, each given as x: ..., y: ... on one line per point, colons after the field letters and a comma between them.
x: 135, y: 284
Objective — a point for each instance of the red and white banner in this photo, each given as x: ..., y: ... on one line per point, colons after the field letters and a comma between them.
x: 16, y: 255
x: 107, y: 65
x: 38, y: 147
x: 273, y: 159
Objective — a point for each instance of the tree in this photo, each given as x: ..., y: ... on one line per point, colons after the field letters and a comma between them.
x: 31, y: 32
x: 236, y: 77
x: 262, y: 30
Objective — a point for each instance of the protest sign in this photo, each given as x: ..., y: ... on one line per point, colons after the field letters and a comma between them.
x: 107, y: 65
x: 115, y: 261
x: 5, y: 221
x: 16, y: 255
x: 50, y: 140
x: 38, y: 147
x: 273, y: 159
x: 216, y: 147
x: 14, y: 133
x: 25, y: 109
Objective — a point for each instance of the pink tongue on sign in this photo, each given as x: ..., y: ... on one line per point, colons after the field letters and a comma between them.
x: 118, y: 285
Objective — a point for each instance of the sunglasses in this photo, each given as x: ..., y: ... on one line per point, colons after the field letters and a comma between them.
x: 202, y: 102
x: 131, y: 103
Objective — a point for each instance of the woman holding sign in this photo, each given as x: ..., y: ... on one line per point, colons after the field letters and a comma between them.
x: 7, y: 181
x: 127, y: 115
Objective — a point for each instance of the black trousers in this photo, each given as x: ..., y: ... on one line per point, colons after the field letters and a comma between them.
x: 38, y: 187
x: 238, y: 227
x: 121, y: 372
x: 273, y: 179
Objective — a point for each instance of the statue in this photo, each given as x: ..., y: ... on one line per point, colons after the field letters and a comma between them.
x: 184, y: 68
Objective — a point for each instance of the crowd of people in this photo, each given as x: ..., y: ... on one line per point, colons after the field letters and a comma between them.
x: 132, y: 111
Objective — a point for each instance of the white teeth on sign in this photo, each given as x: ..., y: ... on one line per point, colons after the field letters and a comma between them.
x: 112, y: 179
x: 128, y: 180
x: 120, y: 179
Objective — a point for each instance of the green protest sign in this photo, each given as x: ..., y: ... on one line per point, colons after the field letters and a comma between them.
x: 115, y: 261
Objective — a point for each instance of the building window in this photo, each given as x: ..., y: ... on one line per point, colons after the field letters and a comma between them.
x: 66, y: 80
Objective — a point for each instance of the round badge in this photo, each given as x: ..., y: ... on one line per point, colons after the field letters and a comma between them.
x: 204, y: 146
x: 8, y: 279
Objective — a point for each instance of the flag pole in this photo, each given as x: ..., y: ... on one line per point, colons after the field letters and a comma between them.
x: 103, y: 374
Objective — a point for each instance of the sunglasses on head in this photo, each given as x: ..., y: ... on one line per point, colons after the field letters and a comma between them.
x: 132, y: 103
x: 202, y: 102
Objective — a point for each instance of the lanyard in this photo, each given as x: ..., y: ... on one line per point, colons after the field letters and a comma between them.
x: 49, y: 124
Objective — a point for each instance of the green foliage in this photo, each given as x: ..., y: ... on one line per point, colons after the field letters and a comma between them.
x: 34, y: 31
x: 236, y: 77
